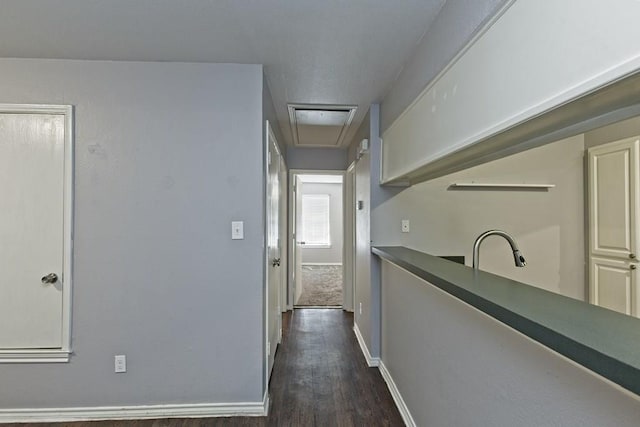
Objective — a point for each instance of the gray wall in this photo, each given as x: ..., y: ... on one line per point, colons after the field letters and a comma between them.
x: 361, y: 133
x: 367, y: 266
x: 167, y: 155
x: 317, y: 158
x: 362, y: 261
x: 333, y: 254
x: 617, y: 131
x: 456, y: 366
x: 269, y: 113
x: 456, y: 24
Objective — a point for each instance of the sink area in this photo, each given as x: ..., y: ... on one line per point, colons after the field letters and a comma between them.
x: 455, y: 258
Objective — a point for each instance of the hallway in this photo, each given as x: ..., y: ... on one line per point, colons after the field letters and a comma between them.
x: 320, y: 378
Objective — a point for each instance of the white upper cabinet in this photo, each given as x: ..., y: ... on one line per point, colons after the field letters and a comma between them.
x: 534, y: 57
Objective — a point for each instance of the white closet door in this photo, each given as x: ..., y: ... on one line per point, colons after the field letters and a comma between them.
x: 31, y: 230
x: 613, y: 225
x: 613, y: 285
x: 613, y: 172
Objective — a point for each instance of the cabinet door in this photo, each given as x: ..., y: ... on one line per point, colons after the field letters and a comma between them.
x: 613, y: 199
x: 613, y: 285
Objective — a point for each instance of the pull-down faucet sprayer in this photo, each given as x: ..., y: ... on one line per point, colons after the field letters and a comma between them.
x: 517, y: 257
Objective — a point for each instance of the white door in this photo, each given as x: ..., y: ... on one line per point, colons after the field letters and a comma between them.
x: 32, y: 184
x: 283, y: 236
x: 298, y: 242
x: 274, y: 315
x: 613, y: 284
x: 613, y: 233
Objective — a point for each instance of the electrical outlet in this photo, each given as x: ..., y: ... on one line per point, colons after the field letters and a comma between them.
x: 120, y: 362
x: 237, y: 230
x: 360, y: 309
x: 405, y: 225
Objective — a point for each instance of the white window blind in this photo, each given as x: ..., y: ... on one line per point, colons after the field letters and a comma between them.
x: 315, y: 219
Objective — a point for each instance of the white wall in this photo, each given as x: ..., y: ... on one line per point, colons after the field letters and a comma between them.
x: 456, y: 366
x: 548, y: 226
x: 333, y: 254
x: 167, y: 155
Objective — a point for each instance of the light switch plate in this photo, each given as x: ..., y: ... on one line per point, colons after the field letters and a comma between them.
x: 237, y: 230
x: 120, y: 362
x: 405, y: 225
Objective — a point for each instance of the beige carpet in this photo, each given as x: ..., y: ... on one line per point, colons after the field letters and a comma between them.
x: 321, y: 285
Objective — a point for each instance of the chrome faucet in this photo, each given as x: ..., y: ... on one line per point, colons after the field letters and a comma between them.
x: 518, y: 258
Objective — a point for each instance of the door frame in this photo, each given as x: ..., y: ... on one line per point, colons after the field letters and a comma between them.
x: 284, y: 233
x: 63, y: 353
x: 291, y: 243
x: 350, y: 236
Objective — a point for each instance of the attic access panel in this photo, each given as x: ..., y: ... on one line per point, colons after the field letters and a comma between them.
x: 320, y: 125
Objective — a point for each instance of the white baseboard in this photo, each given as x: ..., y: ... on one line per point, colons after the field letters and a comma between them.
x: 195, y: 410
x: 371, y: 361
x: 321, y: 263
x: 397, y: 397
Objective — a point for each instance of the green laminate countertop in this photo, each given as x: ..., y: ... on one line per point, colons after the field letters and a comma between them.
x: 602, y: 340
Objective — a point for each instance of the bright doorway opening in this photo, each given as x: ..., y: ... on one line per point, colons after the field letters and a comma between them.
x: 317, y: 214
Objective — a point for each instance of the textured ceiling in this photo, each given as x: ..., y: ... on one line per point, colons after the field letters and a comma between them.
x: 314, y: 52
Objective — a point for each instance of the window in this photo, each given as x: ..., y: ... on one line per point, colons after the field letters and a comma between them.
x: 315, y: 220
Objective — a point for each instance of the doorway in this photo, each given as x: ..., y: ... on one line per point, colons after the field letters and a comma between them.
x: 318, y: 245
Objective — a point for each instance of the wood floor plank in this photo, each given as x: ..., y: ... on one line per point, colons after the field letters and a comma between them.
x: 320, y: 378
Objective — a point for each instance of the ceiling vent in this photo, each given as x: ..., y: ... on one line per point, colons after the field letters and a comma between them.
x: 320, y: 125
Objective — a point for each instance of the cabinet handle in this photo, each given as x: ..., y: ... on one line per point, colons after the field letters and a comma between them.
x: 632, y: 256
x: 633, y: 266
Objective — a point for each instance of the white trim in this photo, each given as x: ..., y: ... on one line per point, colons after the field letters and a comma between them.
x: 463, y: 185
x: 321, y: 263
x: 189, y: 410
x: 371, y: 361
x: 265, y: 248
x: 34, y: 356
x: 397, y: 397
x: 62, y: 354
x: 266, y: 402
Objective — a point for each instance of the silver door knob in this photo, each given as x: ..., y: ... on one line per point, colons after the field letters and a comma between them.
x: 50, y: 278
x: 275, y: 262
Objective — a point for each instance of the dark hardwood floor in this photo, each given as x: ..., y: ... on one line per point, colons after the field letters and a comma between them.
x: 320, y: 378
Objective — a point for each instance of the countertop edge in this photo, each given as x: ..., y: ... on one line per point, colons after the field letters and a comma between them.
x: 578, y: 350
